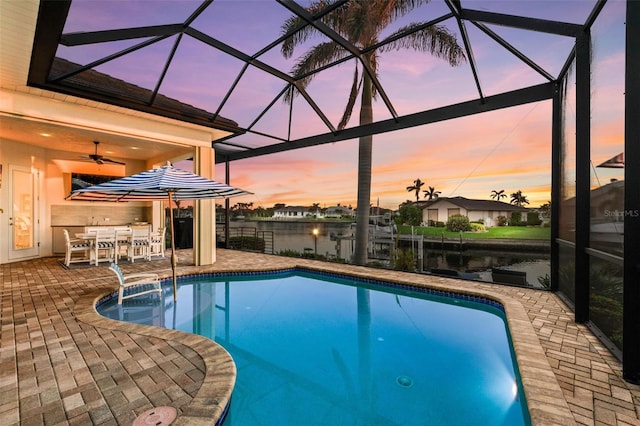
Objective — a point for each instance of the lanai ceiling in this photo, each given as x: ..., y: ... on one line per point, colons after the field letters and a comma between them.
x: 219, y: 64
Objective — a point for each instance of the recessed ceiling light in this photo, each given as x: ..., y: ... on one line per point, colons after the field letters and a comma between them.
x: 134, y: 147
x: 46, y: 135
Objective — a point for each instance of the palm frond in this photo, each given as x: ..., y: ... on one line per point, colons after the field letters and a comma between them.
x: 297, y: 38
x: 435, y: 39
x: 387, y: 11
x: 355, y: 89
x: 289, y: 94
x: 317, y: 56
x: 305, y: 30
x: 347, y: 19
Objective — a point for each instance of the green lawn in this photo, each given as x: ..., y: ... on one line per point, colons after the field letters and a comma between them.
x: 512, y: 232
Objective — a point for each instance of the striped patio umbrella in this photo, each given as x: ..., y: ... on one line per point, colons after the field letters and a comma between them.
x: 165, y: 183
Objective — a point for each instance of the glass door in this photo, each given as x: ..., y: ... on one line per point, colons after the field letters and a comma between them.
x: 23, y: 222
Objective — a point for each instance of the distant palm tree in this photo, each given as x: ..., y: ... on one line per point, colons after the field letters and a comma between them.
x: 431, y: 193
x: 497, y: 195
x: 518, y: 199
x: 417, y: 184
x: 361, y: 22
x: 545, y: 209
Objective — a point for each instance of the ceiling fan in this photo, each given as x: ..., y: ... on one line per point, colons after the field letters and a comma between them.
x: 99, y: 159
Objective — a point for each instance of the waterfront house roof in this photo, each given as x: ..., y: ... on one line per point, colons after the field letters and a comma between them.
x: 340, y: 208
x: 293, y: 209
x: 471, y: 204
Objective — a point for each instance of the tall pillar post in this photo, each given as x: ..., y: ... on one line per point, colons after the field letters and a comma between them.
x: 204, y: 238
x: 631, y: 296
x: 583, y: 174
x: 556, y: 182
x: 227, y: 209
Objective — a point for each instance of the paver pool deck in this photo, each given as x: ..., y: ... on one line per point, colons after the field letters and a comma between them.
x: 61, y: 363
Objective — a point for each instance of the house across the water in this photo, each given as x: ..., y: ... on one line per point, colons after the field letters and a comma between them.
x: 293, y: 212
x: 441, y: 208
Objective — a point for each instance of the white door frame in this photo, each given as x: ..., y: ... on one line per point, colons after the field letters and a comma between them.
x: 23, y: 213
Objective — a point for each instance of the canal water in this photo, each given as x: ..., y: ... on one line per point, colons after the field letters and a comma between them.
x: 299, y: 237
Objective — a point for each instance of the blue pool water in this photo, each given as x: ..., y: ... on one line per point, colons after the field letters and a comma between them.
x: 315, y: 349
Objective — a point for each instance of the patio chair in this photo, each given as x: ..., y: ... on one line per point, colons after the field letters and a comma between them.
x: 104, y: 247
x: 139, y: 245
x: 123, y: 243
x: 157, y: 242
x: 76, y: 246
x: 140, y: 283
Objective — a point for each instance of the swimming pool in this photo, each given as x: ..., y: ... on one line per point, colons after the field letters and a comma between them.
x: 323, y: 349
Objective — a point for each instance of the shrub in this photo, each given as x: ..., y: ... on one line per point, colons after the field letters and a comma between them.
x: 404, y: 260
x: 247, y: 243
x: 545, y: 281
x: 502, y: 220
x: 440, y: 224
x: 458, y: 222
x: 478, y: 227
x: 533, y: 218
x: 290, y: 253
x: 409, y: 214
x: 516, y: 219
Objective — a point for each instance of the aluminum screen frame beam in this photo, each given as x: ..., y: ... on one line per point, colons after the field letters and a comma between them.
x: 532, y: 24
x: 45, y: 41
x: 631, y: 291
x: 341, y: 41
x: 527, y: 95
x: 556, y: 184
x: 583, y: 176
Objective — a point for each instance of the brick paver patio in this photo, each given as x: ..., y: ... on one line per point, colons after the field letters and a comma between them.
x: 61, y: 363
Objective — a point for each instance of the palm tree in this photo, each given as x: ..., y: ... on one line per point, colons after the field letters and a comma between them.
x: 518, y: 199
x: 361, y: 22
x: 417, y: 184
x: 545, y: 209
x: 497, y: 195
x: 431, y: 193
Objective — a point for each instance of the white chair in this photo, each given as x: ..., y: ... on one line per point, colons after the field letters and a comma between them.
x: 157, y: 242
x: 104, y: 246
x: 139, y: 245
x: 76, y: 245
x: 142, y: 283
x: 123, y: 242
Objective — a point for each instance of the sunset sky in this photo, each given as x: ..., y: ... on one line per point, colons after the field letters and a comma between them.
x: 502, y: 150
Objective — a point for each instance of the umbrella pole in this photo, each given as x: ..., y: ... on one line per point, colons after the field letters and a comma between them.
x: 174, y: 258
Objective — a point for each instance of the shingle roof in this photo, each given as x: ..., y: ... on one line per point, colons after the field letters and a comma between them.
x: 470, y: 204
x: 293, y: 209
x: 92, y: 80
